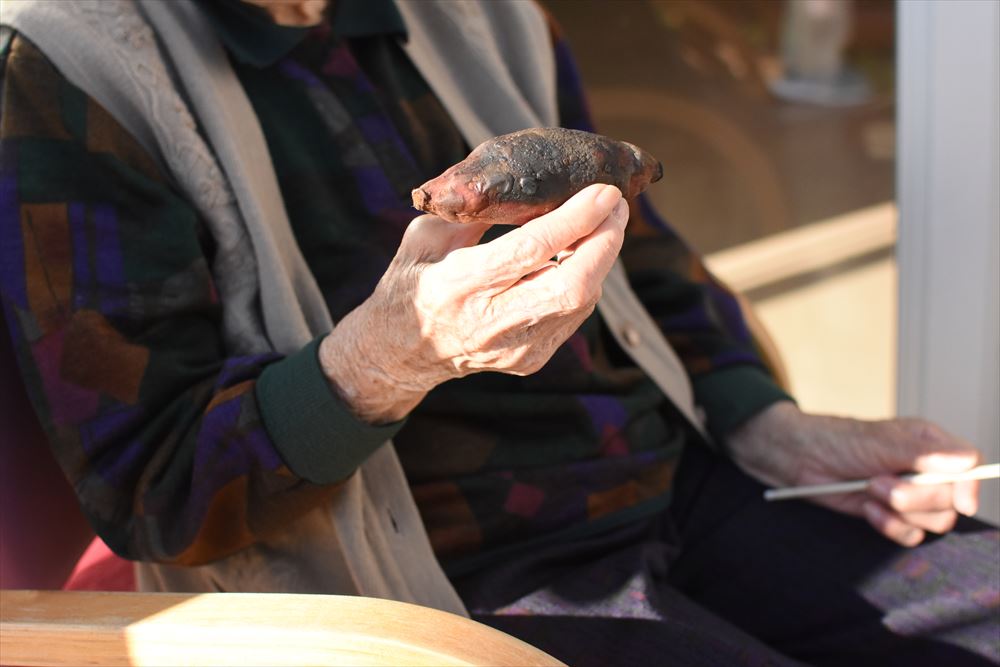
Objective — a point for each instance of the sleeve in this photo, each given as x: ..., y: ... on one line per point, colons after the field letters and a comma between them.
x: 178, y: 452
x: 699, y: 316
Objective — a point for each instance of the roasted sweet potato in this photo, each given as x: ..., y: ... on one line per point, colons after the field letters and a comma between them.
x: 519, y: 176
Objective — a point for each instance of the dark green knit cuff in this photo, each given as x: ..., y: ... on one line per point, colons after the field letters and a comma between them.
x: 315, y: 433
x: 732, y: 395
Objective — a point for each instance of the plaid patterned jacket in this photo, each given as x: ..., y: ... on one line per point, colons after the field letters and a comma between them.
x: 182, y: 453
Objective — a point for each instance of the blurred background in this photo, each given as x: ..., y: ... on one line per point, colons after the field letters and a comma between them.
x: 694, y: 82
x: 777, y: 124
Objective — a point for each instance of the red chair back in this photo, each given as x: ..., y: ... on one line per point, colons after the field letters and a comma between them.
x: 42, y: 530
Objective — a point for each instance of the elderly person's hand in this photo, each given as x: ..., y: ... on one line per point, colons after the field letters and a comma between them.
x: 447, y: 307
x: 783, y: 446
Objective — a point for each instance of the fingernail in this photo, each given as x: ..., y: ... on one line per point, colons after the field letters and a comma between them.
x: 608, y: 196
x: 912, y: 537
x: 966, y: 505
x: 621, y: 211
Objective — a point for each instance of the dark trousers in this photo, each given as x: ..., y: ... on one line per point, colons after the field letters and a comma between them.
x: 724, y: 578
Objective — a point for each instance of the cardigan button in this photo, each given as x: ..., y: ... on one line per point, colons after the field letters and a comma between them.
x: 631, y: 336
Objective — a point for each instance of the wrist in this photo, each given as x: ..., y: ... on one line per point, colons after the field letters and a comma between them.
x: 767, y: 445
x: 358, y: 373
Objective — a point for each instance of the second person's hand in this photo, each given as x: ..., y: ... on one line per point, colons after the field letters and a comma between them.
x: 783, y: 446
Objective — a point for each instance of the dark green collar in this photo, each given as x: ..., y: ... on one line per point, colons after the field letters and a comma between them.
x: 254, y: 39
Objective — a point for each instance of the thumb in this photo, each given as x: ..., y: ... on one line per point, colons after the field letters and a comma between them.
x: 429, y: 238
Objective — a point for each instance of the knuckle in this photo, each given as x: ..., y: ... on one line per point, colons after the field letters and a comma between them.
x: 946, y: 522
x: 574, y: 299
x: 904, y: 533
x: 580, y: 298
x: 459, y: 260
x: 430, y: 288
x: 916, y: 499
x: 595, y: 295
x: 520, y: 363
x: 532, y: 365
x: 528, y: 249
x: 454, y: 273
x: 899, y: 499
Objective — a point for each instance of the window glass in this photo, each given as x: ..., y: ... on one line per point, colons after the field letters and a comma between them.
x: 775, y: 123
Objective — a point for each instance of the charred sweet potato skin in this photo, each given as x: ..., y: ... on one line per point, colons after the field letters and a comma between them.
x: 519, y: 176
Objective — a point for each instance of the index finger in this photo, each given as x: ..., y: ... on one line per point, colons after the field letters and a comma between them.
x: 529, y: 247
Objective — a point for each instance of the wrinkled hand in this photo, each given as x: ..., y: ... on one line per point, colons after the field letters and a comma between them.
x: 447, y: 307
x: 783, y: 446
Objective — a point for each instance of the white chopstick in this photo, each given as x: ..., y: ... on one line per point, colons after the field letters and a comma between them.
x: 988, y: 471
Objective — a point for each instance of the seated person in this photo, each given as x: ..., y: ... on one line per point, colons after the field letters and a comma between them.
x: 171, y: 302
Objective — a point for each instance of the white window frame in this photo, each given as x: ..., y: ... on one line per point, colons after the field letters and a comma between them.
x: 948, y: 178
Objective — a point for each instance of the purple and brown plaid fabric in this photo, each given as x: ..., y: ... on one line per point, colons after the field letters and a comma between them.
x: 115, y: 320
